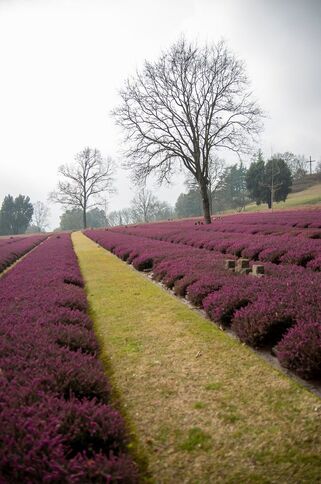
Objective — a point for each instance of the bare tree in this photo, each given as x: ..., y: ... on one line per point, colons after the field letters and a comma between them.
x: 114, y: 218
x: 191, y: 102
x: 143, y: 206
x: 85, y: 182
x: 127, y: 215
x: 296, y: 163
x: 40, y: 216
x: 123, y: 216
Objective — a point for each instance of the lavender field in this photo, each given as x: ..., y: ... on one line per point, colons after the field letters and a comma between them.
x: 280, y: 311
x: 57, y: 424
x: 58, y: 419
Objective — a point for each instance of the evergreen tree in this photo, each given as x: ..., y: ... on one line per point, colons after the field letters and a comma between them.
x: 73, y: 219
x: 15, y: 215
x: 7, y: 215
x: 232, y: 192
x: 278, y: 180
x: 189, y: 204
x: 255, y: 180
x: 234, y: 187
x: 268, y: 182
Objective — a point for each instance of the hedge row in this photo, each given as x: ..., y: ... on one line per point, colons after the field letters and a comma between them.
x: 12, y: 248
x: 265, y: 312
x: 57, y: 424
x: 274, y: 243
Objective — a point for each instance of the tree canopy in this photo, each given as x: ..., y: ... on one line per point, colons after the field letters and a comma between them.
x: 178, y: 111
x: 73, y: 219
x: 15, y: 215
x: 268, y: 182
x: 189, y: 204
x: 228, y: 192
x: 233, y: 191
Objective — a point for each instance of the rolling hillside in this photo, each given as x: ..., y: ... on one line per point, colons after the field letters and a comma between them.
x: 309, y: 196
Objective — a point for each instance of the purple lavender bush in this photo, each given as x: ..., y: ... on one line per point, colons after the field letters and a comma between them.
x: 300, y: 349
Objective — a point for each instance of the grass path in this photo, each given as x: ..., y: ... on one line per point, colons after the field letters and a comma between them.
x: 204, y: 407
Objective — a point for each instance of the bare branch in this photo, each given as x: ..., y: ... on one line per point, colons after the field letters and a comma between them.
x: 84, y: 181
x: 183, y: 108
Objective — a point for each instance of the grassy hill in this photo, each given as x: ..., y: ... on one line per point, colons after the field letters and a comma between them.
x: 308, y: 196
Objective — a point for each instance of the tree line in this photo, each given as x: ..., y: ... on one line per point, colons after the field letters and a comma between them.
x: 145, y: 207
x: 233, y: 187
x: 177, y: 114
x: 18, y: 215
x: 230, y: 187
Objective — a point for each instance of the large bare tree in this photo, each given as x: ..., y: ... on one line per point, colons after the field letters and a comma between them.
x: 182, y: 108
x: 84, y: 182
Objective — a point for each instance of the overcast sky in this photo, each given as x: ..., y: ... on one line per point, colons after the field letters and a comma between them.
x: 62, y: 63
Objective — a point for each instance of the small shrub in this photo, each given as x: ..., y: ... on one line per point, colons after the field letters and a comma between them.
x: 79, y: 375
x: 181, y: 285
x: 197, y: 291
x: 75, y: 338
x: 143, y: 262
x: 91, y: 427
x: 262, y: 323
x: 221, y: 305
x: 69, y: 316
x: 102, y: 469
x: 300, y: 349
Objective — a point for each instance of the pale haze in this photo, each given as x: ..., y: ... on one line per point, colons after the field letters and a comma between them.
x: 63, y: 62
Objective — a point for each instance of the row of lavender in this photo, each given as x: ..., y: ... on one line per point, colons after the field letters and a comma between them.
x: 56, y: 422
x: 299, y: 219
x: 304, y: 223
x: 12, y: 248
x: 280, y: 249
x: 281, y: 311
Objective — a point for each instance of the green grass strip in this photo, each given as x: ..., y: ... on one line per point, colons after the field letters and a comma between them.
x: 204, y: 407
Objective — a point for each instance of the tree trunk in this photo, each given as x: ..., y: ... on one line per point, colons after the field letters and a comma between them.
x: 206, y: 203
x: 269, y: 202
x: 84, y: 218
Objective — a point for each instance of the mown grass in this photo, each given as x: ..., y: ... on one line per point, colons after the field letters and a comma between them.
x: 204, y: 408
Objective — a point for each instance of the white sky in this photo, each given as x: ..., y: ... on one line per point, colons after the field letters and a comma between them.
x: 62, y: 63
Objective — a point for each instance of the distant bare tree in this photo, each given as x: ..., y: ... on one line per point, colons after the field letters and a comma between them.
x: 114, y: 218
x: 143, y: 205
x: 84, y: 182
x: 127, y: 215
x: 296, y: 163
x: 123, y: 216
x: 191, y: 102
x: 40, y: 216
